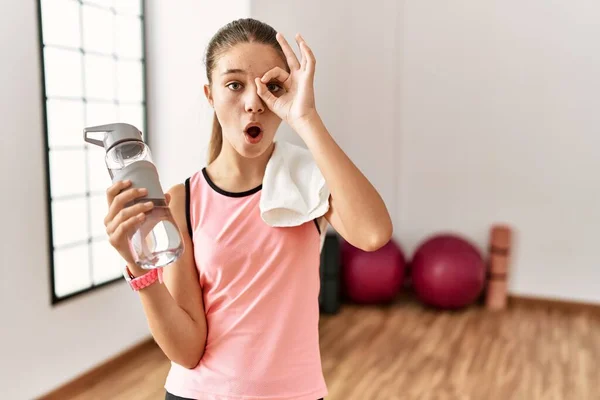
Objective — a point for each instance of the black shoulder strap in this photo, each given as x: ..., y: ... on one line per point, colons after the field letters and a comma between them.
x: 187, y: 207
x: 316, y: 220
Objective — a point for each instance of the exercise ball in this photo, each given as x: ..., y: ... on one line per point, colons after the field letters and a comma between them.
x: 447, y: 272
x: 372, y: 277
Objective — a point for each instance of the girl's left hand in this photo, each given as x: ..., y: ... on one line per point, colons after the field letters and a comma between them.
x: 297, y: 103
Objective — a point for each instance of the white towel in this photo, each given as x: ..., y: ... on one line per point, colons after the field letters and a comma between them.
x: 294, y: 191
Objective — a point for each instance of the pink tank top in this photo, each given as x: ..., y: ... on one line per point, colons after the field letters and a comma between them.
x: 260, y: 287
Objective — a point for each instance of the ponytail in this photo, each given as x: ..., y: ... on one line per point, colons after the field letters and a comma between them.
x: 216, y: 140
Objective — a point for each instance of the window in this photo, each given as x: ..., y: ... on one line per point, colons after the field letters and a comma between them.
x: 93, y: 70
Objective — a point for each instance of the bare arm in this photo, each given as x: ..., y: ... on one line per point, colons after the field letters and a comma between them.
x: 175, y: 310
x: 357, y: 211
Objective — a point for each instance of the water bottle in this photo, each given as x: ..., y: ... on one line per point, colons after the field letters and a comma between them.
x: 156, y: 242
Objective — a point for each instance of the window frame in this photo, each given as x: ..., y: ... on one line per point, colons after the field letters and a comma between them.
x: 93, y: 287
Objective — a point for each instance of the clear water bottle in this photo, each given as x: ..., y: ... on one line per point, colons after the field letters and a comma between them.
x: 156, y: 241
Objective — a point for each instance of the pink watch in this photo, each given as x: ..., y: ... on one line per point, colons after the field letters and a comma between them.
x: 143, y: 281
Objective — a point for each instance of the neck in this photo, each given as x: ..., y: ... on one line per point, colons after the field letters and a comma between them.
x: 230, y: 163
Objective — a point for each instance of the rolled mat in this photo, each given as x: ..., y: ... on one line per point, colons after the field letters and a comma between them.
x: 497, y: 284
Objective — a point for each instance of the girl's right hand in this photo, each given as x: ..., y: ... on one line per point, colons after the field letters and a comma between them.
x: 121, y: 222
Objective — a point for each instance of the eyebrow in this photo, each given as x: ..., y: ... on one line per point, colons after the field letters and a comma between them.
x: 233, y: 71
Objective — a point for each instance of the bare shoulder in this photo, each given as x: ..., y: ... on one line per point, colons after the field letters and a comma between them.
x: 177, y: 192
x: 177, y: 204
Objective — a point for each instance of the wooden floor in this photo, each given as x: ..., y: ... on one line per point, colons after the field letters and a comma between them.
x: 405, y: 351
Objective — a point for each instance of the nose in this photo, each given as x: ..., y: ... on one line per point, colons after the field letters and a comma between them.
x: 254, y: 103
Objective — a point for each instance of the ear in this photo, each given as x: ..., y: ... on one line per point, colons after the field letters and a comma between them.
x: 208, y: 94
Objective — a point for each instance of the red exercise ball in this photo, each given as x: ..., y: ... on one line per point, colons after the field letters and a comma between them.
x: 372, y: 277
x: 447, y: 272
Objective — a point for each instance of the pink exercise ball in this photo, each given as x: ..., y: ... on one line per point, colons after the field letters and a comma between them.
x: 372, y: 277
x: 447, y: 272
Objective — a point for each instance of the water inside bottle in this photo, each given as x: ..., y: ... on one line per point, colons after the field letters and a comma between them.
x: 156, y: 242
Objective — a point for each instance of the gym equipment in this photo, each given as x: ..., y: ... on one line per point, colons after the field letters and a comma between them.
x: 372, y: 277
x: 448, y: 272
x: 500, y: 243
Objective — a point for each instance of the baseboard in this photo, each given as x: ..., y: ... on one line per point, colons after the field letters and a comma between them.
x: 89, y: 378
x: 556, y: 304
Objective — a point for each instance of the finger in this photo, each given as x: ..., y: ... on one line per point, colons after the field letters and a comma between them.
x: 115, y: 189
x: 121, y: 199
x: 290, y: 56
x: 265, y: 94
x: 126, y: 228
x: 307, y: 54
x: 303, y: 60
x: 127, y: 213
x: 168, y: 198
x: 278, y: 74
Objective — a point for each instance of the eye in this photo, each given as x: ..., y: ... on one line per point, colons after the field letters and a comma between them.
x: 274, y: 87
x: 235, y: 86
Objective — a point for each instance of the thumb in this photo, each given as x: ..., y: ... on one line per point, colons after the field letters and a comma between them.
x: 265, y: 94
x: 168, y: 198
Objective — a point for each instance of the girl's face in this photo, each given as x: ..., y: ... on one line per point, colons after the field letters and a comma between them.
x: 247, y: 124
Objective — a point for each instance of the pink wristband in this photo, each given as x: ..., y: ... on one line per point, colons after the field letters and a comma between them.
x: 145, y: 280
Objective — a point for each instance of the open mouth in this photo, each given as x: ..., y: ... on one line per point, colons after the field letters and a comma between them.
x: 253, y: 131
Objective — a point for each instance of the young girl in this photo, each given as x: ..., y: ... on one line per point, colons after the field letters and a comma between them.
x: 238, y: 313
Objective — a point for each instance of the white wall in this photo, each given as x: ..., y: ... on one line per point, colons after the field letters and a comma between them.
x: 499, y: 120
x: 179, y: 116
x: 42, y: 346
